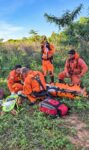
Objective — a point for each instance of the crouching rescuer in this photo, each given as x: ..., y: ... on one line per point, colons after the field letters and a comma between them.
x: 75, y: 68
x: 14, y: 81
x: 34, y: 85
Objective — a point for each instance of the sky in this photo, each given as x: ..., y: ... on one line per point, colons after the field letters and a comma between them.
x: 18, y: 17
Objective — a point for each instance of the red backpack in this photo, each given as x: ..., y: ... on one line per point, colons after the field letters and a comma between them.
x: 53, y: 107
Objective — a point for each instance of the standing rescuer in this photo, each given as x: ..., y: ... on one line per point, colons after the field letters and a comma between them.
x: 47, y: 51
x: 14, y: 80
x: 75, y: 68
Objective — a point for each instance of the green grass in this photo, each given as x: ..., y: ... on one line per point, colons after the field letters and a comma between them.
x: 32, y: 130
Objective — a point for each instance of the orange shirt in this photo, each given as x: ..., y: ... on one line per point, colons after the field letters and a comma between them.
x: 31, y: 84
x: 13, y: 78
x: 77, y: 66
x: 46, y: 53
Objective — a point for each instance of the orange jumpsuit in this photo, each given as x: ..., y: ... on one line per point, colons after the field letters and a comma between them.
x: 74, y: 69
x: 31, y: 85
x: 14, y: 82
x: 47, y: 65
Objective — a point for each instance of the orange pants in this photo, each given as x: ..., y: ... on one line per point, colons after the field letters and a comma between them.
x: 47, y: 66
x: 74, y: 78
x: 16, y: 87
x: 37, y: 95
x: 34, y: 99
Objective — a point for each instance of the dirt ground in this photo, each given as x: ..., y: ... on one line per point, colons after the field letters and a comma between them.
x: 81, y: 136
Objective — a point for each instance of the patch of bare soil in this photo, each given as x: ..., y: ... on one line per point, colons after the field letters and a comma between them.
x: 81, y: 137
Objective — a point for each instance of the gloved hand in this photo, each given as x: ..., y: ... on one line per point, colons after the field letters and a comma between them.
x: 19, y: 93
x: 13, y: 93
x: 67, y: 74
x: 48, y: 45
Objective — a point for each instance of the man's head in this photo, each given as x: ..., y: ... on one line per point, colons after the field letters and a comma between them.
x: 71, y: 53
x: 24, y: 71
x: 18, y: 68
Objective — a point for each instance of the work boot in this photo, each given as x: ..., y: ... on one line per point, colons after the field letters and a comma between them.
x: 61, y: 81
x: 81, y: 85
x: 45, y: 78
x: 32, y: 103
x: 52, y: 79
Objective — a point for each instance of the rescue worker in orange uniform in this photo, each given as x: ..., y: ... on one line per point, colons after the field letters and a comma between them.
x: 75, y: 68
x: 14, y: 80
x: 34, y: 84
x: 47, y: 52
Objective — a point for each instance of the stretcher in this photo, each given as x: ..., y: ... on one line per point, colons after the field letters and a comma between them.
x: 67, y: 91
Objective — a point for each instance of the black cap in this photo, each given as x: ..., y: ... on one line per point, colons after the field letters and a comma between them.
x: 18, y: 66
x: 72, y: 51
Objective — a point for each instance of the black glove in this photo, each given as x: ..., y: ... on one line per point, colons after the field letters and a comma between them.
x: 48, y: 46
x: 31, y: 104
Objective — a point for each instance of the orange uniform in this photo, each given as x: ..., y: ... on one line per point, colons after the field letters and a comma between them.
x: 47, y: 56
x: 74, y: 69
x: 14, y: 82
x: 32, y: 85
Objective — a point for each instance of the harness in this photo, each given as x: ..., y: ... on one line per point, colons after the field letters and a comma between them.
x: 48, y: 48
x: 42, y: 92
x: 69, y: 66
x: 37, y: 78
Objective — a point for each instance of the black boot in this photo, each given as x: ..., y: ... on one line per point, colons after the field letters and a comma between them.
x: 45, y: 78
x: 52, y: 79
x: 61, y: 81
x: 32, y: 103
x: 81, y: 85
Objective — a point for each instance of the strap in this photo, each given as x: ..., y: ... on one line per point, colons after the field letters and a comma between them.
x: 69, y: 67
x: 68, y: 91
x: 48, y: 58
x: 40, y: 94
x: 56, y: 107
x: 77, y: 63
x: 38, y: 80
x: 53, y: 105
x: 64, y: 90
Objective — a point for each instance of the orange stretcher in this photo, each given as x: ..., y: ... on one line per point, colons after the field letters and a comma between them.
x: 67, y: 91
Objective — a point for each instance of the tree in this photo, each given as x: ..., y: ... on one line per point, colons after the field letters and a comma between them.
x: 35, y: 38
x: 66, y: 19
x: 79, y: 30
x: 1, y: 40
x: 33, y: 32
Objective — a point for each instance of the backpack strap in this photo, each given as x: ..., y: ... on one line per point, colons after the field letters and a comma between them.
x: 77, y: 63
x: 69, y: 68
x: 37, y: 78
x: 53, y: 106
